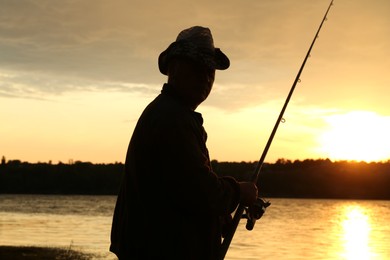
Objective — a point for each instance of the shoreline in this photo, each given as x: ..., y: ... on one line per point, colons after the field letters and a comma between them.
x: 42, y: 253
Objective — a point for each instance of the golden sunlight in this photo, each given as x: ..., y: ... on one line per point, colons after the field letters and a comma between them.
x: 358, y: 136
x: 356, y: 234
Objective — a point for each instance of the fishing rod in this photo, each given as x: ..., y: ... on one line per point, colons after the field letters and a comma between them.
x: 257, y: 210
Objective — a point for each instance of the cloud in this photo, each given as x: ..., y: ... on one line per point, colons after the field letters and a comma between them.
x: 74, y: 39
x: 39, y: 86
x: 53, y: 47
x: 119, y: 38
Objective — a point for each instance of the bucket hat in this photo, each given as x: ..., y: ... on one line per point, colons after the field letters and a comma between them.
x: 195, y: 43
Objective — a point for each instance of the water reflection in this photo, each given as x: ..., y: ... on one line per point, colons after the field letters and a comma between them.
x: 290, y: 229
x: 356, y: 233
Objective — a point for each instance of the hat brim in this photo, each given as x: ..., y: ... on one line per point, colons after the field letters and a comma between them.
x: 216, y: 60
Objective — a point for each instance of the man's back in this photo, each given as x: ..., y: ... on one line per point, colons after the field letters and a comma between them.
x: 168, y: 214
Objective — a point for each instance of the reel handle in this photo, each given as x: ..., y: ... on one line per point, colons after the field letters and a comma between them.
x: 255, y: 212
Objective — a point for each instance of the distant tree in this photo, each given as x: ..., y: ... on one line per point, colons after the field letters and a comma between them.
x: 3, y: 161
x: 15, y: 162
x: 283, y: 161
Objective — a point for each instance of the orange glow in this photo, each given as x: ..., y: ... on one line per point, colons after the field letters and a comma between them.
x: 358, y: 136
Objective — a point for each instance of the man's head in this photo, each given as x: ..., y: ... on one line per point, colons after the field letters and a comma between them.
x: 190, y: 63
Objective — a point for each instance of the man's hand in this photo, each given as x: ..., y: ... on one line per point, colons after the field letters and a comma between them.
x: 248, y: 193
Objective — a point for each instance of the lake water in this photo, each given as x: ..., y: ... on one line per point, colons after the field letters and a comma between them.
x: 290, y: 229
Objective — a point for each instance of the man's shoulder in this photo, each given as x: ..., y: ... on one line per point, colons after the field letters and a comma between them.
x: 166, y: 106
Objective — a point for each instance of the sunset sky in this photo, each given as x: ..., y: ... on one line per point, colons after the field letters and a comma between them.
x: 75, y: 76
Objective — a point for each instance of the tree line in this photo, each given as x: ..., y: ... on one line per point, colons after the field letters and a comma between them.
x: 47, y: 178
x: 309, y: 178
x: 320, y: 178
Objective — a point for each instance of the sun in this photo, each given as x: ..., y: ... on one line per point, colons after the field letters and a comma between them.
x: 357, y: 136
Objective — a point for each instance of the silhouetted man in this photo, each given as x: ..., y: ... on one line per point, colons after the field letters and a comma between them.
x: 171, y: 203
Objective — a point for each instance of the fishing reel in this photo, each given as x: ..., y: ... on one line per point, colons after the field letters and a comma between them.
x: 255, y: 212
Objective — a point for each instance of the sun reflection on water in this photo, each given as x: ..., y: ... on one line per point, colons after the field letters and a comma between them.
x: 356, y: 234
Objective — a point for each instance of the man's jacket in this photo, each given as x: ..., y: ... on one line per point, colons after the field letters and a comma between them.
x: 170, y: 202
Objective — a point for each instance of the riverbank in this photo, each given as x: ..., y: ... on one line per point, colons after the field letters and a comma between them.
x: 41, y: 253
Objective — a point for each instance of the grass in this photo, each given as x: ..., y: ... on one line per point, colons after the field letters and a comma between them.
x: 41, y: 253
